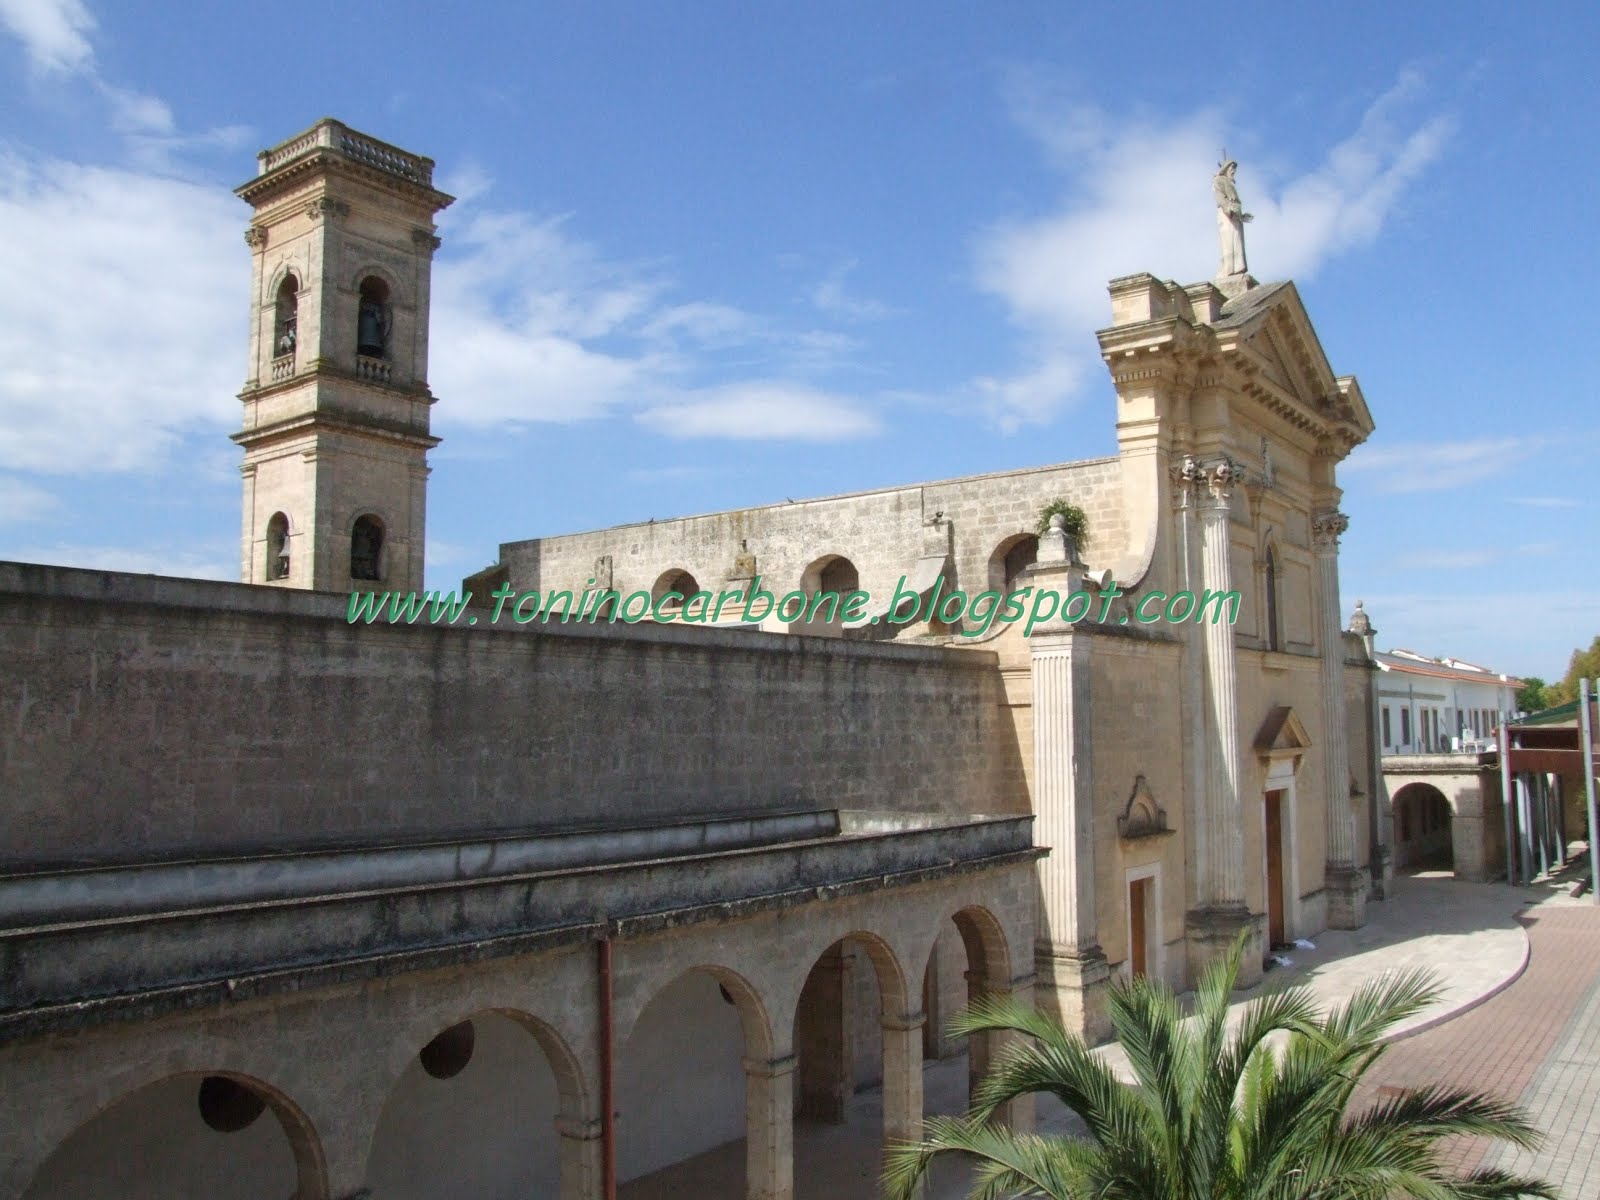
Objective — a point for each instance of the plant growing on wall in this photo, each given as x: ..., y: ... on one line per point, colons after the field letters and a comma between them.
x: 1077, y: 521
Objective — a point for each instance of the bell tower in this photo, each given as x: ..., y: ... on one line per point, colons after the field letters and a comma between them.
x: 336, y: 405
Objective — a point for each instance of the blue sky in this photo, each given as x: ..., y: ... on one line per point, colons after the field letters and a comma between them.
x: 717, y: 254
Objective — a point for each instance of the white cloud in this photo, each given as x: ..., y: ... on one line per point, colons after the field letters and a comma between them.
x: 55, y: 33
x: 830, y: 297
x: 762, y: 411
x: 1139, y: 195
x: 1448, y: 560
x: 1545, y: 501
x: 129, y: 326
x: 1489, y: 624
x: 21, y: 502
x: 206, y: 562
x: 1437, y: 466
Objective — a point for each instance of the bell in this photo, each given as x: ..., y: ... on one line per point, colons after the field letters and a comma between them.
x: 369, y: 330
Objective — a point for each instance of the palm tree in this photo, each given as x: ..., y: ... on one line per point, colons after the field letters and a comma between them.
x: 1261, y: 1114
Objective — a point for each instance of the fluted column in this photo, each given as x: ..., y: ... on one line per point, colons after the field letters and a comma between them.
x: 1221, y: 912
x: 1346, y: 882
x: 1224, y: 855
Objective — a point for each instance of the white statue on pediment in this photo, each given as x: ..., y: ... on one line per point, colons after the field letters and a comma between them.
x: 1230, y: 221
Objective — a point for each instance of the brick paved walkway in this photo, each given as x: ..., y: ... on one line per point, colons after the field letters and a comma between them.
x: 1537, y: 1042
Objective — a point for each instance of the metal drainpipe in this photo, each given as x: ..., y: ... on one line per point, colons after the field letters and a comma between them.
x: 608, y: 1116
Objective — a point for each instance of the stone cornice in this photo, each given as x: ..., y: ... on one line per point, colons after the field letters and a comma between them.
x: 338, y: 420
x: 266, y: 188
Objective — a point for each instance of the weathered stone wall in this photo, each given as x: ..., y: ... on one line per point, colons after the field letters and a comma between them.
x: 1137, y: 731
x: 881, y: 532
x: 144, y: 717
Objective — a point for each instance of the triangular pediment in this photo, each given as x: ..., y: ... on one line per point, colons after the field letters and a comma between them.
x: 1282, y: 733
x: 1270, y: 336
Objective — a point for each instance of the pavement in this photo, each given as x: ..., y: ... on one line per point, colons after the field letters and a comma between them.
x: 1519, y: 1017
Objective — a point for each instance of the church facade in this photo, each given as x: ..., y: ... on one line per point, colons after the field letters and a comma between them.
x: 345, y: 910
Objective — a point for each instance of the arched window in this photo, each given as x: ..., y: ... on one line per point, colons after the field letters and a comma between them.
x: 278, y: 547
x: 678, y: 582
x: 374, y: 319
x: 1272, y: 600
x: 366, y: 548
x: 1018, y: 559
x: 285, y: 321
x: 840, y: 577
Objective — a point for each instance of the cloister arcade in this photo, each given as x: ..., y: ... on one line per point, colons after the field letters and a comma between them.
x: 486, y: 1082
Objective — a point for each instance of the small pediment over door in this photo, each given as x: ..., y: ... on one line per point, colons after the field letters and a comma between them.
x: 1141, y: 817
x: 1282, y: 735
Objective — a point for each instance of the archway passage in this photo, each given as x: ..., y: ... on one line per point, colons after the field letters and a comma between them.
x: 1010, y: 559
x: 681, y: 1085
x: 962, y: 970
x: 827, y: 583
x: 474, y: 1114
x: 188, y: 1135
x: 1422, y: 829
x: 858, y: 1067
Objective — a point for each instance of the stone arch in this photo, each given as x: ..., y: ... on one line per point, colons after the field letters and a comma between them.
x: 755, y: 1023
x: 87, y: 1163
x: 674, y: 580
x: 285, y: 314
x: 278, y: 531
x: 958, y: 971
x: 1423, y: 826
x: 831, y: 574
x: 985, y: 940
x: 375, y: 293
x: 369, y: 537
x: 681, y: 1068
x: 492, y: 1106
x: 1012, y: 556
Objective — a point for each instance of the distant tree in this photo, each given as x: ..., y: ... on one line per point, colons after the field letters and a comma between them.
x: 1585, y: 664
x: 1533, y: 696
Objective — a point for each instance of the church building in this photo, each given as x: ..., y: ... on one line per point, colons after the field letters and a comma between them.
x: 295, y: 906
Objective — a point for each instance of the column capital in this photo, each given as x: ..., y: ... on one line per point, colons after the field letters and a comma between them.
x: 1208, y: 482
x: 1326, y: 529
x: 581, y: 1129
x: 903, y: 1022
x: 771, y: 1068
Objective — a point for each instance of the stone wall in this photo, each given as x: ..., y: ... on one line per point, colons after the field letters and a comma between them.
x: 143, y: 717
x: 882, y: 532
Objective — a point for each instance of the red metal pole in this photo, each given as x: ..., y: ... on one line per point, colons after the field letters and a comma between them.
x: 608, y: 1107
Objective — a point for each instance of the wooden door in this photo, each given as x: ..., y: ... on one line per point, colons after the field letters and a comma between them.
x: 1274, y: 836
x: 1138, y: 890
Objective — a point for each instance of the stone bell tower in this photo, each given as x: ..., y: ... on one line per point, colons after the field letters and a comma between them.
x: 336, y: 406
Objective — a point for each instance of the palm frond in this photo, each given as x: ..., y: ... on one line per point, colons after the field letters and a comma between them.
x: 1009, y: 1164
x: 1439, y: 1112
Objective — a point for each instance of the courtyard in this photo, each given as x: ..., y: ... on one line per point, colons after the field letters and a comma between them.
x: 1519, y: 1017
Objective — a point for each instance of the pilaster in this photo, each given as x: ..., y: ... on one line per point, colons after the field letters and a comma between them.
x: 1069, y: 962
